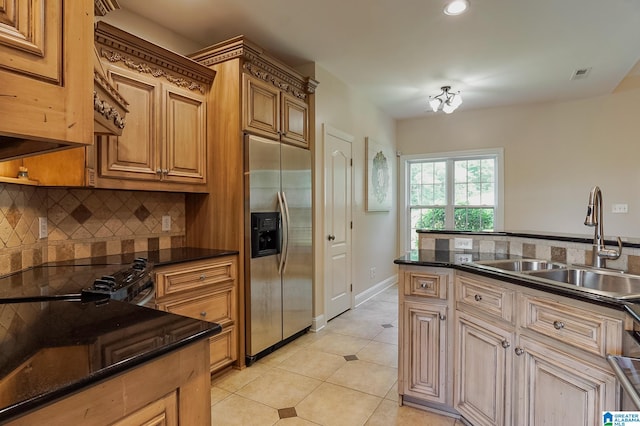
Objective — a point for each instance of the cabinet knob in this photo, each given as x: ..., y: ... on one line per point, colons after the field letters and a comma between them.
x: 477, y: 297
x: 158, y: 171
x: 442, y: 317
x: 165, y: 171
x: 331, y: 237
x: 203, y: 314
x: 505, y: 343
x: 425, y: 284
x: 519, y: 351
x: 203, y: 277
x: 558, y: 325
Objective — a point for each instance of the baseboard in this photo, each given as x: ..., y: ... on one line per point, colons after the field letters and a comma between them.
x: 376, y: 289
x: 318, y: 323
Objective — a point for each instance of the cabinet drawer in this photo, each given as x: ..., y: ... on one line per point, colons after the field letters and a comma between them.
x: 489, y: 299
x: 216, y: 305
x: 426, y: 284
x: 572, y: 325
x: 223, y: 350
x: 194, y: 275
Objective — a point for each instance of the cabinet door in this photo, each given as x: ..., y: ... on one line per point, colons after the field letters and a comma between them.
x: 558, y: 388
x: 134, y: 154
x: 295, y: 121
x: 45, y: 71
x: 483, y: 371
x: 260, y: 107
x: 163, y: 412
x: 185, y: 147
x: 424, y: 351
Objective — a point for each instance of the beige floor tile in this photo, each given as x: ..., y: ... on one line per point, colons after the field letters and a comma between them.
x: 388, y: 335
x: 362, y: 312
x: 235, y: 379
x: 279, y: 388
x: 313, y: 363
x: 295, y: 421
x: 240, y: 411
x: 388, y: 295
x: 392, y: 395
x: 354, y: 327
x: 332, y: 405
x: 380, y: 353
x: 365, y: 377
x: 218, y: 394
x: 275, y: 358
x: 389, y: 413
x: 339, y: 344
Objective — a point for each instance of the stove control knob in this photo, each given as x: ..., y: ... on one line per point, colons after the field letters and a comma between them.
x: 103, y: 284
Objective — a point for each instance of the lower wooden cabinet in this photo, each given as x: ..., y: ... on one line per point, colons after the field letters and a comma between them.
x: 205, y: 290
x: 546, y: 366
x: 171, y: 390
x: 484, y: 365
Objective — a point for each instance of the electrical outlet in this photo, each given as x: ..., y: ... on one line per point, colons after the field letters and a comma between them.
x: 463, y: 243
x: 463, y: 258
x: 619, y: 208
x: 43, y: 232
x: 166, y: 223
x: 372, y: 273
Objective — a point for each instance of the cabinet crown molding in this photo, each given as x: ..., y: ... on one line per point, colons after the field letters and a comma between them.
x: 259, y: 63
x: 116, y: 45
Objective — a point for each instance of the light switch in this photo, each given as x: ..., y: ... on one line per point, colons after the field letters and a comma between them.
x: 166, y: 223
x: 619, y: 208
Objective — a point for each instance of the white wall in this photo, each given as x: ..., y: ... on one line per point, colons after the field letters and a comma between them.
x: 374, y: 234
x: 553, y: 154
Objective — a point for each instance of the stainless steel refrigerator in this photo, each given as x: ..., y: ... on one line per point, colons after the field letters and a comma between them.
x: 279, y: 261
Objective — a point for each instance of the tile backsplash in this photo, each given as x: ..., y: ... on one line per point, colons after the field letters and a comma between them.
x: 84, y: 223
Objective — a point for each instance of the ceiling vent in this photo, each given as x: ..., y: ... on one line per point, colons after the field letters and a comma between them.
x: 580, y: 73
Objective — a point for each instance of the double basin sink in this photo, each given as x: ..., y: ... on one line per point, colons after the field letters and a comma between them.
x: 603, y: 282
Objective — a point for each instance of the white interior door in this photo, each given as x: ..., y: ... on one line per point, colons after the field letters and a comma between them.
x: 337, y: 221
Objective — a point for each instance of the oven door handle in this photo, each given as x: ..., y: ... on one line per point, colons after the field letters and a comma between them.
x: 148, y: 298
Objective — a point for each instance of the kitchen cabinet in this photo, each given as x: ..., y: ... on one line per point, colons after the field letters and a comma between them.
x: 540, y: 361
x: 45, y: 96
x: 170, y: 390
x: 217, y: 219
x: 163, y: 146
x: 205, y: 290
x: 271, y: 112
x: 425, y: 334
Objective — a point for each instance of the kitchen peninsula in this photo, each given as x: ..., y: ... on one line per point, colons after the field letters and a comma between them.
x: 69, y: 354
x: 501, y: 347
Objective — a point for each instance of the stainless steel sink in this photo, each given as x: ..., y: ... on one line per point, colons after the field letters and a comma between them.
x: 612, y: 284
x: 521, y: 265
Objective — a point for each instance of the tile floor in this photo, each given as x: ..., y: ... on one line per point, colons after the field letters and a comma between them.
x: 346, y: 374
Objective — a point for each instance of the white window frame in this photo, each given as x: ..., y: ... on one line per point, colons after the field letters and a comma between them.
x: 405, y: 213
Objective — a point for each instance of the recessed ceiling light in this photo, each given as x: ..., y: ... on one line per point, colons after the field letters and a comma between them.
x: 456, y: 7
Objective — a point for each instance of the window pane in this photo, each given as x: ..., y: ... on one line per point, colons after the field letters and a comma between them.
x: 460, y: 170
x: 427, y: 218
x: 473, y: 219
x: 475, y: 190
x: 488, y: 194
x: 440, y: 195
x: 473, y: 170
x: 460, y: 197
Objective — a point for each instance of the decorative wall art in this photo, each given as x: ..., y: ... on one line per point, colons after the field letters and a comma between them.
x: 378, y: 170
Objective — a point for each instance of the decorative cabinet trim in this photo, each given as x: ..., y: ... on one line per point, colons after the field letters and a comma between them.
x: 258, y: 63
x: 144, y: 57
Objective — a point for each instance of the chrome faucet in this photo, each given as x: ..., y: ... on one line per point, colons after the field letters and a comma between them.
x: 600, y: 253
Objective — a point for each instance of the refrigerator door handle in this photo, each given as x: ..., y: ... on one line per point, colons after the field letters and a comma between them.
x: 283, y: 248
x: 287, y: 221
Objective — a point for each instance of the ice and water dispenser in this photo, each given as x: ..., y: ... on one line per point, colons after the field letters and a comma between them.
x: 265, y: 234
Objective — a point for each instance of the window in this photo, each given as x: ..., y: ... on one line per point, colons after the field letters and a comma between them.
x: 453, y: 191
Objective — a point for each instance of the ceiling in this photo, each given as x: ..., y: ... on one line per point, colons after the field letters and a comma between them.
x: 398, y: 52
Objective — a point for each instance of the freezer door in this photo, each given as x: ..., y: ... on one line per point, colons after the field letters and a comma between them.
x: 264, y: 289
x: 297, y: 283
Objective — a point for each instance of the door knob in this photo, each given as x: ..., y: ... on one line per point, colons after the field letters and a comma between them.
x: 331, y: 237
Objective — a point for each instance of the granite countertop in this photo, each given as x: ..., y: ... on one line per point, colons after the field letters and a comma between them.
x: 50, y: 349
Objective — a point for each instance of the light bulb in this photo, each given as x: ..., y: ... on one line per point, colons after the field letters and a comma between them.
x: 448, y: 108
x: 434, y: 103
x: 456, y: 7
x: 456, y: 101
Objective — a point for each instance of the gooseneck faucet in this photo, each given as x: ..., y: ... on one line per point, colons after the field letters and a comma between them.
x: 600, y: 253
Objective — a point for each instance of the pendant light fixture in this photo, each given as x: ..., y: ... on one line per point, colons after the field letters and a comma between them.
x: 446, y: 100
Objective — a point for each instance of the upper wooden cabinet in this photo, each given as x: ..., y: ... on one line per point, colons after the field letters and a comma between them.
x: 268, y: 111
x: 165, y: 139
x: 46, y: 76
x: 274, y: 98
